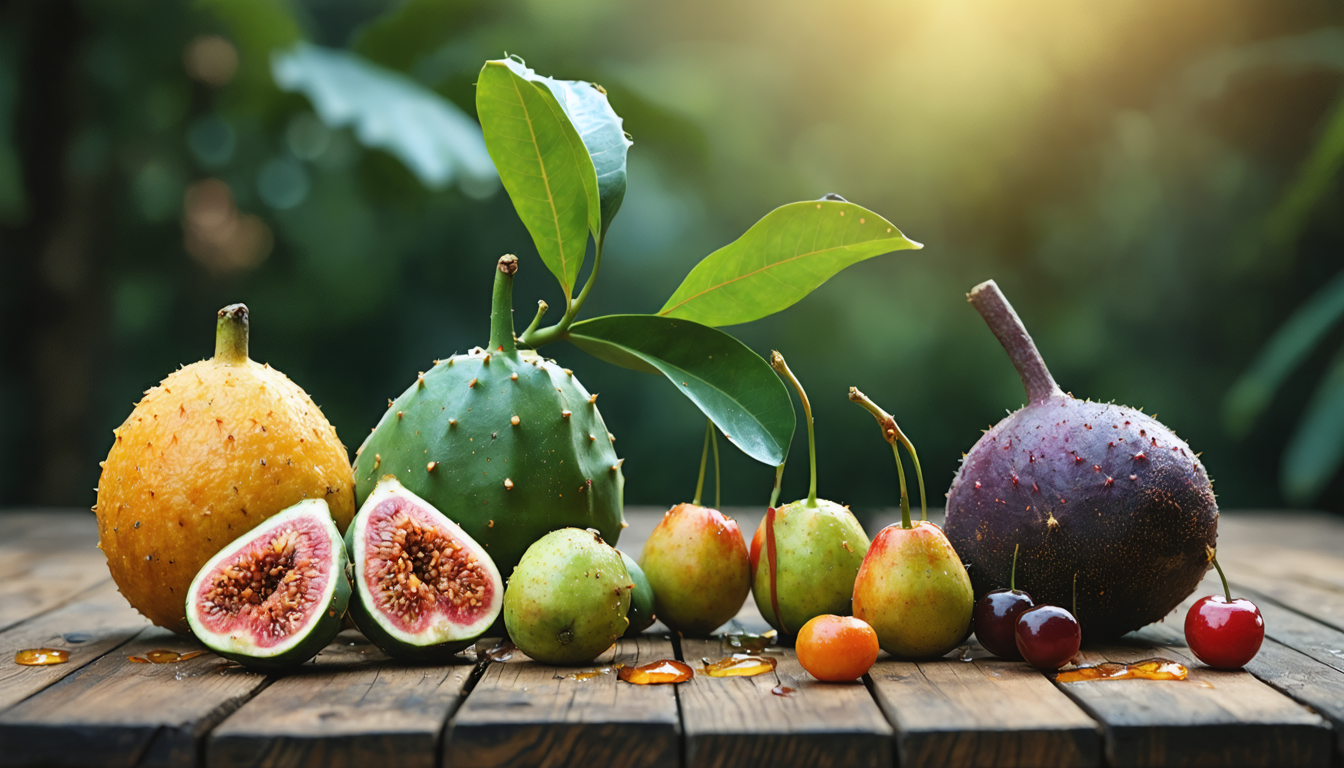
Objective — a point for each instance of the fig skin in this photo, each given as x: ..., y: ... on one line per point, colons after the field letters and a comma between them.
x: 696, y: 562
x: 1094, y: 491
x: 216, y: 448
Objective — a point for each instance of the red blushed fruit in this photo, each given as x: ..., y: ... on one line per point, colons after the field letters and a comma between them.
x: 757, y: 543
x: 1224, y: 635
x: 1048, y: 636
x: 697, y: 564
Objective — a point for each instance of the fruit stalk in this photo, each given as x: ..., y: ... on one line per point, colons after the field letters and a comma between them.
x: 718, y: 479
x: 1007, y: 327
x: 501, y: 306
x: 704, y: 458
x: 782, y: 368
x: 231, y: 332
x: 892, y: 433
x: 1226, y: 589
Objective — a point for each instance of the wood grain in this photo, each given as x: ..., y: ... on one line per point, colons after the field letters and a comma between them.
x: 117, y: 713
x: 985, y: 712
x: 351, y: 707
x: 87, y: 628
x: 737, y: 721
x: 521, y: 713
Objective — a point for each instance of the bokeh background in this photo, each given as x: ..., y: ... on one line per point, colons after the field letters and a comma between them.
x: 1154, y: 185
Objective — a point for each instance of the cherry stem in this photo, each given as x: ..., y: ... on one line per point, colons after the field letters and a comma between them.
x: 782, y: 368
x: 1226, y: 589
x: 990, y: 302
x: 892, y: 433
x: 704, y: 456
x: 718, y: 481
x: 1012, y: 575
x: 231, y: 331
x: 501, y: 306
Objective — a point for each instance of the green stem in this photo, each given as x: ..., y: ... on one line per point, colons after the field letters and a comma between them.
x: 536, y: 338
x: 231, y: 331
x: 1226, y: 589
x: 779, y: 477
x: 892, y: 433
x: 781, y: 367
x: 718, y: 484
x: 501, y: 306
x: 704, y: 456
x: 1012, y: 575
x: 541, y: 312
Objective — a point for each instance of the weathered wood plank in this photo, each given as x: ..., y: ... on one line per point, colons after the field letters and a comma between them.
x: 1212, y: 718
x: 47, y: 582
x: 521, y: 713
x: 737, y: 721
x: 88, y: 628
x: 117, y: 713
x: 351, y: 707
x: 985, y: 712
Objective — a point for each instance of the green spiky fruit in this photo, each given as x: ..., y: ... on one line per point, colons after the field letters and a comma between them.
x: 506, y: 444
x: 568, y: 599
x: 273, y: 597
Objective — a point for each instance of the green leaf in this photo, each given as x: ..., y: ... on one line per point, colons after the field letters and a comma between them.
x: 600, y: 128
x: 1316, y: 449
x: 544, y: 166
x: 437, y: 141
x: 731, y: 384
x: 781, y: 259
x: 1281, y: 355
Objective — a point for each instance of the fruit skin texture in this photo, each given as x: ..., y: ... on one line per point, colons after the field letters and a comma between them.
x: 995, y: 621
x: 217, y: 447
x: 641, y: 615
x: 913, y: 590
x: 1224, y: 635
x: 1048, y: 636
x: 696, y: 562
x: 1095, y: 490
x: 319, y: 538
x: 440, y: 634
x: 451, y: 439
x: 568, y: 598
x: 836, y: 648
x: 818, y: 551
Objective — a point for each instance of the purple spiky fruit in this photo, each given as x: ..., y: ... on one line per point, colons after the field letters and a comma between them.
x: 1098, y: 495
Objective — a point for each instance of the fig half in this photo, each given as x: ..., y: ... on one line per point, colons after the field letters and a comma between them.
x: 424, y: 589
x: 273, y: 597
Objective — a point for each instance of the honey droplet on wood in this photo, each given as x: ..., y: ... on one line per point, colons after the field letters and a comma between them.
x: 162, y: 656
x: 657, y: 673
x: 1148, y: 669
x: 41, y: 657
x: 740, y: 665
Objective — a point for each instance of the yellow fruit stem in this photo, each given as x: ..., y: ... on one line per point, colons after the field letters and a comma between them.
x: 892, y: 433
x: 231, y: 335
x: 782, y: 368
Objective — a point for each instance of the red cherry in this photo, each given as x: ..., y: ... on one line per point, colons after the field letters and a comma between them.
x: 996, y: 621
x: 1222, y: 634
x: 1048, y: 636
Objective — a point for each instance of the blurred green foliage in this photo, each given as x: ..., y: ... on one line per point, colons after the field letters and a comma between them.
x: 1152, y: 184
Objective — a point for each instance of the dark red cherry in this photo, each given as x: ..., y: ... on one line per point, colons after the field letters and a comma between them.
x: 995, y: 619
x: 1048, y: 636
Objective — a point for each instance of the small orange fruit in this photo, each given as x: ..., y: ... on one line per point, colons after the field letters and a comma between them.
x: 836, y: 648
x: 213, y: 450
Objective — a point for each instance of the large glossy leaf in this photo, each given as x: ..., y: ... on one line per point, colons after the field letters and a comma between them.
x: 600, y: 128
x: 781, y: 259
x: 1316, y: 450
x: 731, y: 384
x: 544, y: 165
x: 1281, y: 355
x: 437, y: 141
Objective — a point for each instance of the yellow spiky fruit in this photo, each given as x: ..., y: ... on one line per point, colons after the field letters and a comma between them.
x: 216, y: 448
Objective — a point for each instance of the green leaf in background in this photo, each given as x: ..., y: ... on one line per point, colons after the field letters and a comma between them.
x: 600, y: 128
x: 1316, y: 449
x: 437, y: 141
x: 1281, y: 355
x: 781, y: 259
x: 544, y: 166
x: 732, y: 385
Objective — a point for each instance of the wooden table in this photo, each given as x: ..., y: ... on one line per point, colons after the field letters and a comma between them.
x: 352, y: 706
